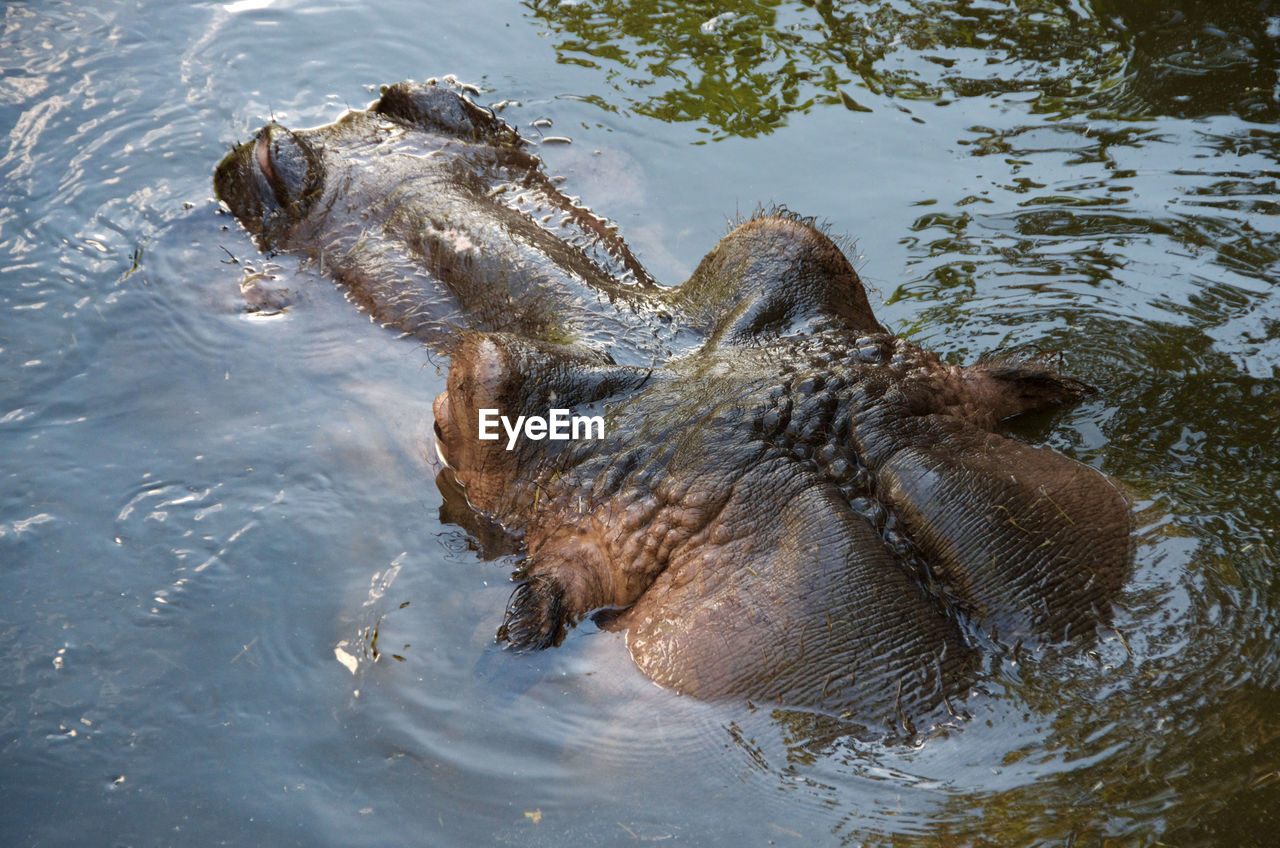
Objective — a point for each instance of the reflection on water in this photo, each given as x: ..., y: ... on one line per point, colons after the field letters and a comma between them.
x: 1188, y: 58
x: 207, y: 491
x: 742, y: 67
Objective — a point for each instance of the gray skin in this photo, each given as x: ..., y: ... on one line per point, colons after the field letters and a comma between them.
x: 790, y: 504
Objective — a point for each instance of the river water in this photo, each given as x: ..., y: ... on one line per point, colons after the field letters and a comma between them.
x: 231, y: 612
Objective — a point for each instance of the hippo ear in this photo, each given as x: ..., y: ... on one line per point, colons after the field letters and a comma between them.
x: 1034, y: 543
x: 437, y: 109
x: 1007, y: 385
x: 794, y: 600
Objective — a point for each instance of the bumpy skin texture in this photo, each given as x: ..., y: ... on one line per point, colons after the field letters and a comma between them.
x: 789, y: 505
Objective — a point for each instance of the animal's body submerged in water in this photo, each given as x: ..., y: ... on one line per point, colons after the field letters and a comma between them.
x: 788, y: 502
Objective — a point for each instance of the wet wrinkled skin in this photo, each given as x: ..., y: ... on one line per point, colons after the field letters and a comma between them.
x: 435, y: 218
x: 789, y: 504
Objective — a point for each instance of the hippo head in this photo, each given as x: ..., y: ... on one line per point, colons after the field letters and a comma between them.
x: 774, y: 497
x: 813, y: 513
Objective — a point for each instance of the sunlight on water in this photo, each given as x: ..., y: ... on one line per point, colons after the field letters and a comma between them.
x: 248, y: 5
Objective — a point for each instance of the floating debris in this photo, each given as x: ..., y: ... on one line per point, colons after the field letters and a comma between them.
x: 710, y: 26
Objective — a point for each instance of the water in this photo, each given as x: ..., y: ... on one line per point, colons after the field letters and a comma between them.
x: 208, y: 515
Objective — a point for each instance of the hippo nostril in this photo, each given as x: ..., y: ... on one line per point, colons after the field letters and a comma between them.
x: 289, y: 168
x: 262, y: 154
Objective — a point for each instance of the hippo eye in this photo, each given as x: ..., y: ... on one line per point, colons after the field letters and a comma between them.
x: 440, y: 454
x: 290, y: 168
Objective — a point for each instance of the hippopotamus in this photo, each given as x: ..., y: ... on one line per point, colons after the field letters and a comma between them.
x: 773, y: 496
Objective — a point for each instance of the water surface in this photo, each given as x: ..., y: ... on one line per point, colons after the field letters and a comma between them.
x: 231, y: 612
